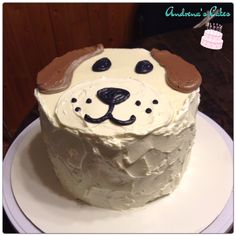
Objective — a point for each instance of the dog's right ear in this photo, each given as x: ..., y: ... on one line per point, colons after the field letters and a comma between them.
x: 180, y: 74
x: 57, y: 76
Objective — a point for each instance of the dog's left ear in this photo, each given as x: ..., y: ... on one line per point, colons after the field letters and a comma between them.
x: 180, y: 74
x: 57, y: 76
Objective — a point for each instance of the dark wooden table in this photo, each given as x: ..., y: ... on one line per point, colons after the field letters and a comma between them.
x: 216, y: 68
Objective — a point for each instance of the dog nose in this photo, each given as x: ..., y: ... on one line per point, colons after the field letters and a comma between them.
x: 113, y: 96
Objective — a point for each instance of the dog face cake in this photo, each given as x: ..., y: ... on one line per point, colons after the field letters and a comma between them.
x: 118, y: 124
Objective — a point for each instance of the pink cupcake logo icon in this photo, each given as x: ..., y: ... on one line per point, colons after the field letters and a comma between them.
x: 212, y: 37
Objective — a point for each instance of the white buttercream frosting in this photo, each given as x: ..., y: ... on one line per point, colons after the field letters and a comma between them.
x: 110, y: 165
x: 160, y: 116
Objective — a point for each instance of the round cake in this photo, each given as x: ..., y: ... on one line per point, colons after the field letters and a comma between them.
x: 118, y: 124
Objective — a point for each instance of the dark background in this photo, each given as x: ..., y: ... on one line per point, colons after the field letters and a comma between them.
x: 34, y: 34
x: 151, y: 19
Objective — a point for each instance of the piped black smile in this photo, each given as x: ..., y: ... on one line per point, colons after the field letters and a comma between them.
x: 109, y: 116
x: 111, y: 97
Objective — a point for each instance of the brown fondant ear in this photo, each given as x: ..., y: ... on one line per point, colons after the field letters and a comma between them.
x: 57, y: 76
x: 180, y: 74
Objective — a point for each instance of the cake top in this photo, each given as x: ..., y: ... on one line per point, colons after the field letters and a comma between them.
x: 115, y: 92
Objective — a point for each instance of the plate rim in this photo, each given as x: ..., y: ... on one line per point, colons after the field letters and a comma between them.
x: 10, y: 204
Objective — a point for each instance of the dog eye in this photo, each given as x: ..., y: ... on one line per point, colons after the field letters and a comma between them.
x: 143, y: 67
x: 102, y: 64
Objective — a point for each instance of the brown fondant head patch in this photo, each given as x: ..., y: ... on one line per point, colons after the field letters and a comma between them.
x: 180, y: 74
x: 57, y: 76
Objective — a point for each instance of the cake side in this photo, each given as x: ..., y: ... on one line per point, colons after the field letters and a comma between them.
x: 118, y: 178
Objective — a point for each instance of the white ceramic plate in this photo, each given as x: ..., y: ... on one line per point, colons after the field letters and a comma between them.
x: 203, y: 201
